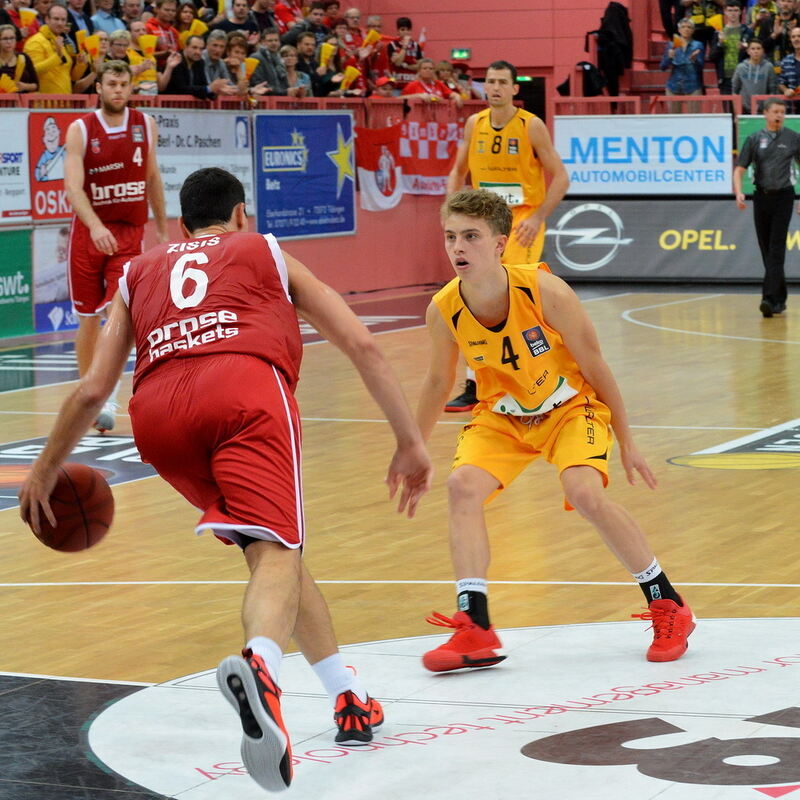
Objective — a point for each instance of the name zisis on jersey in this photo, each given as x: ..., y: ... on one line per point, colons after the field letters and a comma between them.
x: 161, y: 341
x: 127, y: 192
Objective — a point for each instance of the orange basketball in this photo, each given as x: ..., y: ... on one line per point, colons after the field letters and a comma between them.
x: 83, y: 506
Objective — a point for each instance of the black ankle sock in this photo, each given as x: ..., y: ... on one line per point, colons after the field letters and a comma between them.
x: 476, y: 604
x: 659, y: 588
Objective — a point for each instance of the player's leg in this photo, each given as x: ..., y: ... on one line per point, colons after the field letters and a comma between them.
x: 86, y: 340
x: 489, y: 455
x: 356, y: 714
x: 580, y: 450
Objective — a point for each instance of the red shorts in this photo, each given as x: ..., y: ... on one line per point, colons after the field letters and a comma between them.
x: 93, y: 276
x: 224, y: 430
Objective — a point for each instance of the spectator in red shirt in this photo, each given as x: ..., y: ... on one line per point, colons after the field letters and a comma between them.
x: 162, y: 25
x: 331, y: 12
x: 353, y: 37
x: 288, y: 13
x: 405, y: 53
x: 428, y: 88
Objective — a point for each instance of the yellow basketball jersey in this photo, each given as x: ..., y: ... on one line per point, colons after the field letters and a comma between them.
x: 522, y: 366
x: 503, y: 161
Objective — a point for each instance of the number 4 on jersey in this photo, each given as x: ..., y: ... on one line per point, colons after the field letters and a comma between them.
x: 137, y: 157
x: 509, y: 356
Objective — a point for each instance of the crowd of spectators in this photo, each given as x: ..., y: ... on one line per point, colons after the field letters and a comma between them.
x: 211, y: 48
x: 753, y: 44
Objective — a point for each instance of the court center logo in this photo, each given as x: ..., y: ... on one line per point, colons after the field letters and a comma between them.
x: 588, y: 236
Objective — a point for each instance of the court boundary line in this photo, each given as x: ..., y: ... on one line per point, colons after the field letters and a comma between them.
x: 626, y: 315
x: 380, y: 582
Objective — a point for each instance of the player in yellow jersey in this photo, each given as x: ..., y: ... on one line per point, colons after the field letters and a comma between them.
x: 544, y: 389
x: 508, y: 150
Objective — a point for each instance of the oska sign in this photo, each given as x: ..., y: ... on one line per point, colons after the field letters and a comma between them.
x: 661, y: 239
x: 47, y: 131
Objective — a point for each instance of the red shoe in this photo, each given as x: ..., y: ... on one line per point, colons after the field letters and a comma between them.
x: 266, y: 749
x: 672, y: 625
x: 469, y: 646
x: 467, y: 400
x: 355, y: 720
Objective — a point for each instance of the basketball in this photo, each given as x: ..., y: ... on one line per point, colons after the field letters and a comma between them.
x: 83, y: 506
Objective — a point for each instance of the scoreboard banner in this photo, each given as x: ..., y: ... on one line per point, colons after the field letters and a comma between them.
x: 646, y: 154
x: 305, y: 173
x: 189, y: 139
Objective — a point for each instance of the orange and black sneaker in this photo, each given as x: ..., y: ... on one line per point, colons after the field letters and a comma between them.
x: 470, y: 646
x: 355, y: 720
x: 671, y: 626
x: 266, y: 750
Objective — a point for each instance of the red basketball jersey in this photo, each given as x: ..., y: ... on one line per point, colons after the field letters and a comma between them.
x: 213, y: 294
x: 115, y: 166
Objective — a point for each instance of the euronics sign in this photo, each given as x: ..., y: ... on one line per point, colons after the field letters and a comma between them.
x: 646, y: 154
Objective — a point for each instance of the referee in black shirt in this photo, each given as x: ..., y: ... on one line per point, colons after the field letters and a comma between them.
x: 772, y: 152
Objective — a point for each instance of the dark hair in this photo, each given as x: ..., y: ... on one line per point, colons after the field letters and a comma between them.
x: 733, y: 4
x: 403, y: 22
x: 774, y: 101
x: 305, y: 35
x: 504, y: 65
x: 208, y: 197
x: 317, y: 4
x: 480, y: 204
x: 269, y: 30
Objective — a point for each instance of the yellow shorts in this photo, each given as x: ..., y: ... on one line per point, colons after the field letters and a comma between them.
x: 577, y: 433
x: 515, y: 253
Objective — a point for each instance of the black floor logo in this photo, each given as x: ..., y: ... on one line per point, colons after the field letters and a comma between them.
x: 705, y: 762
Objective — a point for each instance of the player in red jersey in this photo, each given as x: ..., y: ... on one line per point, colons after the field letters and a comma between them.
x: 110, y: 174
x: 224, y: 430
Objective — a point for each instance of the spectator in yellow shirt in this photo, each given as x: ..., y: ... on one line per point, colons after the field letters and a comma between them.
x: 55, y: 65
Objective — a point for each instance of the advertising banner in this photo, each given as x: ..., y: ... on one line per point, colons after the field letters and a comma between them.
x: 16, y: 313
x: 47, y: 131
x: 702, y: 240
x: 15, y: 196
x: 52, y: 308
x: 646, y: 154
x: 189, y: 139
x: 305, y: 173
x: 748, y: 125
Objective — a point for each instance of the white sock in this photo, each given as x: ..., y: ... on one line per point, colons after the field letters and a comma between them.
x: 336, y: 678
x: 470, y: 374
x: 270, y: 652
x: 471, y: 585
x: 653, y: 571
x: 112, y: 398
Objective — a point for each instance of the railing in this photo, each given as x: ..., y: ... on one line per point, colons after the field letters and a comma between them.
x: 577, y: 106
x: 696, y: 104
x: 757, y: 100
x: 36, y: 100
x: 10, y: 100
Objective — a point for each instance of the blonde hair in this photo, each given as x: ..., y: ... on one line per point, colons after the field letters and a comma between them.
x: 480, y: 204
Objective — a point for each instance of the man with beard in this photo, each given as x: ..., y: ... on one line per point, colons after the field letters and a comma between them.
x: 111, y: 175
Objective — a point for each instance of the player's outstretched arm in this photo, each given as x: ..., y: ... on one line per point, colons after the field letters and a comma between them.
x: 410, y: 469
x: 441, y: 372
x: 77, y: 413
x: 564, y: 312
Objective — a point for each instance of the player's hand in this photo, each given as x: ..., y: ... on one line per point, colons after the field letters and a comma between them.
x: 411, y: 467
x: 34, y: 496
x: 741, y: 205
x: 526, y: 229
x: 633, y: 462
x: 104, y: 240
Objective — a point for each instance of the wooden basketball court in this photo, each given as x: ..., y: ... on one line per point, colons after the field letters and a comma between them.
x: 698, y: 368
